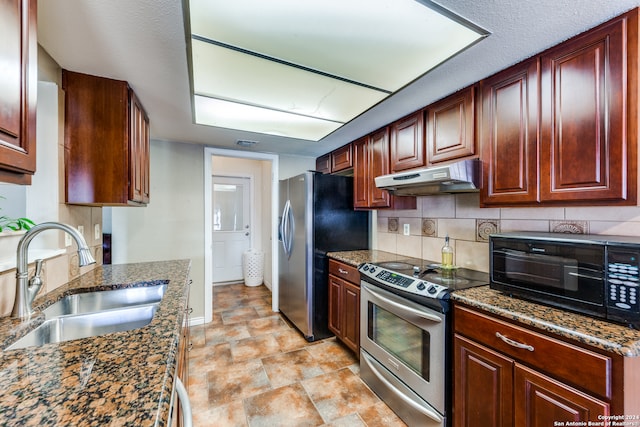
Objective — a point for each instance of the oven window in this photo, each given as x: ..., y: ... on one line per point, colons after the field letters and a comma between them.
x: 400, y: 338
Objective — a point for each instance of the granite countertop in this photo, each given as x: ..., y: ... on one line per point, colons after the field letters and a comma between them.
x: 124, y: 378
x: 598, y: 333
x: 355, y: 258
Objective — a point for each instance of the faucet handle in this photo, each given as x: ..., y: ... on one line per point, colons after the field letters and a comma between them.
x: 36, y: 281
x: 38, y: 271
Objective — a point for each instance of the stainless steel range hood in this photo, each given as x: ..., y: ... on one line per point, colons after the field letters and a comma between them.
x: 464, y: 176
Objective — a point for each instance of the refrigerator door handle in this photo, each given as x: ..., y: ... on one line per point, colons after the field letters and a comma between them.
x: 284, y: 227
x: 291, y: 225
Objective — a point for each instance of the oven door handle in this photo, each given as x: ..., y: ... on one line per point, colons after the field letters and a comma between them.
x: 404, y: 308
x: 425, y: 411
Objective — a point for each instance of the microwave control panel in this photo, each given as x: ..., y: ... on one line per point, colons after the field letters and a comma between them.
x: 623, y: 279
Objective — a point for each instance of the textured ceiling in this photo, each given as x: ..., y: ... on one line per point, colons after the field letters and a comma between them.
x: 143, y: 42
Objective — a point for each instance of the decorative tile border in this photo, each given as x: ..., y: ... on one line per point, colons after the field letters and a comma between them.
x: 485, y: 227
x: 392, y: 225
x: 570, y: 227
x: 429, y: 227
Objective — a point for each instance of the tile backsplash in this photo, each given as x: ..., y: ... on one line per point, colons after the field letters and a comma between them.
x: 469, y: 226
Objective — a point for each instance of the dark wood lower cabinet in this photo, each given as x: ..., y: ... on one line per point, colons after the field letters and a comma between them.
x: 344, y: 312
x: 492, y: 390
x: 542, y: 401
x: 483, y: 386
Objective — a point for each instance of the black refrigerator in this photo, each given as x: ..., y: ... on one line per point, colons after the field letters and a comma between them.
x: 316, y: 217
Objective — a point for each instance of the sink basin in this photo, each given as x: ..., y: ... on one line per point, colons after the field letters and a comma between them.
x: 71, y: 327
x: 90, y: 302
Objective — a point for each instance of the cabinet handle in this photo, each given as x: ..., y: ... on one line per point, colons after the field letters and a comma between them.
x: 514, y: 343
x: 342, y: 271
x: 190, y: 311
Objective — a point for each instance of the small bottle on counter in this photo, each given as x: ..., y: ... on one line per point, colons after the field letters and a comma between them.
x: 447, y: 253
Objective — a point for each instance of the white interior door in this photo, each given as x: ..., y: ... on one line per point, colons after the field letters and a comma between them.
x: 231, y: 226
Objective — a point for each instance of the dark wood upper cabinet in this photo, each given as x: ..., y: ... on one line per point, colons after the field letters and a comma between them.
x: 509, y: 132
x: 371, y: 159
x: 585, y: 148
x: 323, y: 163
x: 106, y: 142
x: 342, y: 158
x: 562, y: 128
x: 18, y: 90
x: 407, y: 143
x: 451, y: 127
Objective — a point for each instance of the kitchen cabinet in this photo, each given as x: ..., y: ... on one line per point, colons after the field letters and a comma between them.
x: 580, y: 98
x: 510, y: 136
x: 18, y: 90
x: 344, y: 304
x: 451, y: 127
x: 323, y: 163
x: 509, y: 375
x: 342, y: 159
x: 106, y: 142
x: 584, y: 146
x: 371, y: 159
x: 407, y: 143
x: 182, y: 369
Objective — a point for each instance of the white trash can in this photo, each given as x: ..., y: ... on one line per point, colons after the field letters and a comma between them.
x: 253, y: 267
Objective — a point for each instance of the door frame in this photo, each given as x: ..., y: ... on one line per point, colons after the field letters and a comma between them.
x: 209, y: 152
x: 252, y: 215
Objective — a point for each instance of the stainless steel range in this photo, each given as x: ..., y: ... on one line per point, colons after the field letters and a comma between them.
x: 405, y: 335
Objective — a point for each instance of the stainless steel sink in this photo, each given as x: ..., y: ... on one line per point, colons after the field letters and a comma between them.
x: 91, y: 302
x: 71, y: 327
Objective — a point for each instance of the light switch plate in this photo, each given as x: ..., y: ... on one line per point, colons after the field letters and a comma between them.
x: 406, y: 229
x: 67, y: 239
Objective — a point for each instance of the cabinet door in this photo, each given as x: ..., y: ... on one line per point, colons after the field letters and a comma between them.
x: 541, y: 401
x: 351, y: 316
x: 18, y: 89
x: 342, y: 158
x: 584, y: 144
x: 361, y: 173
x: 509, y: 136
x: 483, y: 386
x: 138, y: 152
x: 407, y: 143
x: 335, y: 305
x: 378, y: 165
x: 451, y: 127
x: 323, y: 163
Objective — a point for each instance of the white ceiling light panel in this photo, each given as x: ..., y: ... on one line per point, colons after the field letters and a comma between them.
x: 330, y: 59
x: 224, y: 73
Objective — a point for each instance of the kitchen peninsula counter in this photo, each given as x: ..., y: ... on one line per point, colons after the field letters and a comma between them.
x: 611, y: 337
x: 118, y: 379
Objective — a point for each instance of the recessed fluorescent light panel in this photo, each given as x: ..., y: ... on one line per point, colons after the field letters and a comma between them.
x: 302, y: 69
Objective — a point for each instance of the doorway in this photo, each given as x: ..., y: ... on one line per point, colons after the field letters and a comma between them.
x: 262, y: 239
x: 231, y: 226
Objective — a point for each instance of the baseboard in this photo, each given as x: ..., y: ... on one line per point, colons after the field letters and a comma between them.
x: 195, y: 321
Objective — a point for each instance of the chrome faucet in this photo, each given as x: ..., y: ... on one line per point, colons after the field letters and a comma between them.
x: 27, y: 289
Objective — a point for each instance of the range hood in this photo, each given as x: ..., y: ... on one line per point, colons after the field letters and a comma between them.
x: 464, y: 176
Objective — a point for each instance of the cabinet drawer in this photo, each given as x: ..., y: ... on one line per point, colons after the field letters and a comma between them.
x: 569, y: 363
x: 344, y: 271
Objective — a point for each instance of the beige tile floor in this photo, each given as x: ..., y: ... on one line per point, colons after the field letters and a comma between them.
x: 249, y: 367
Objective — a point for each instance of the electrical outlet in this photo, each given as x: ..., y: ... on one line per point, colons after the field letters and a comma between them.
x: 407, y: 229
x: 96, y: 231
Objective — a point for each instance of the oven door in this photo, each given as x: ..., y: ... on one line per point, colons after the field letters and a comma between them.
x: 402, y: 355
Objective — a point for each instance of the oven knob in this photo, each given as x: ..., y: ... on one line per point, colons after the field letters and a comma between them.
x: 432, y: 289
x: 421, y: 286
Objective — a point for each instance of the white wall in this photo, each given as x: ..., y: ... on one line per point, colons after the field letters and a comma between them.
x: 171, y: 226
x: 295, y: 165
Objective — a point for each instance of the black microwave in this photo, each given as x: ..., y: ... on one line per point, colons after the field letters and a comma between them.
x: 595, y: 275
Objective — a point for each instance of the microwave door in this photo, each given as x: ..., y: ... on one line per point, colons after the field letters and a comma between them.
x: 541, y: 270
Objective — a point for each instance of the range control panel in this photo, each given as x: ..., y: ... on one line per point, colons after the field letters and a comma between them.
x: 403, y: 282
